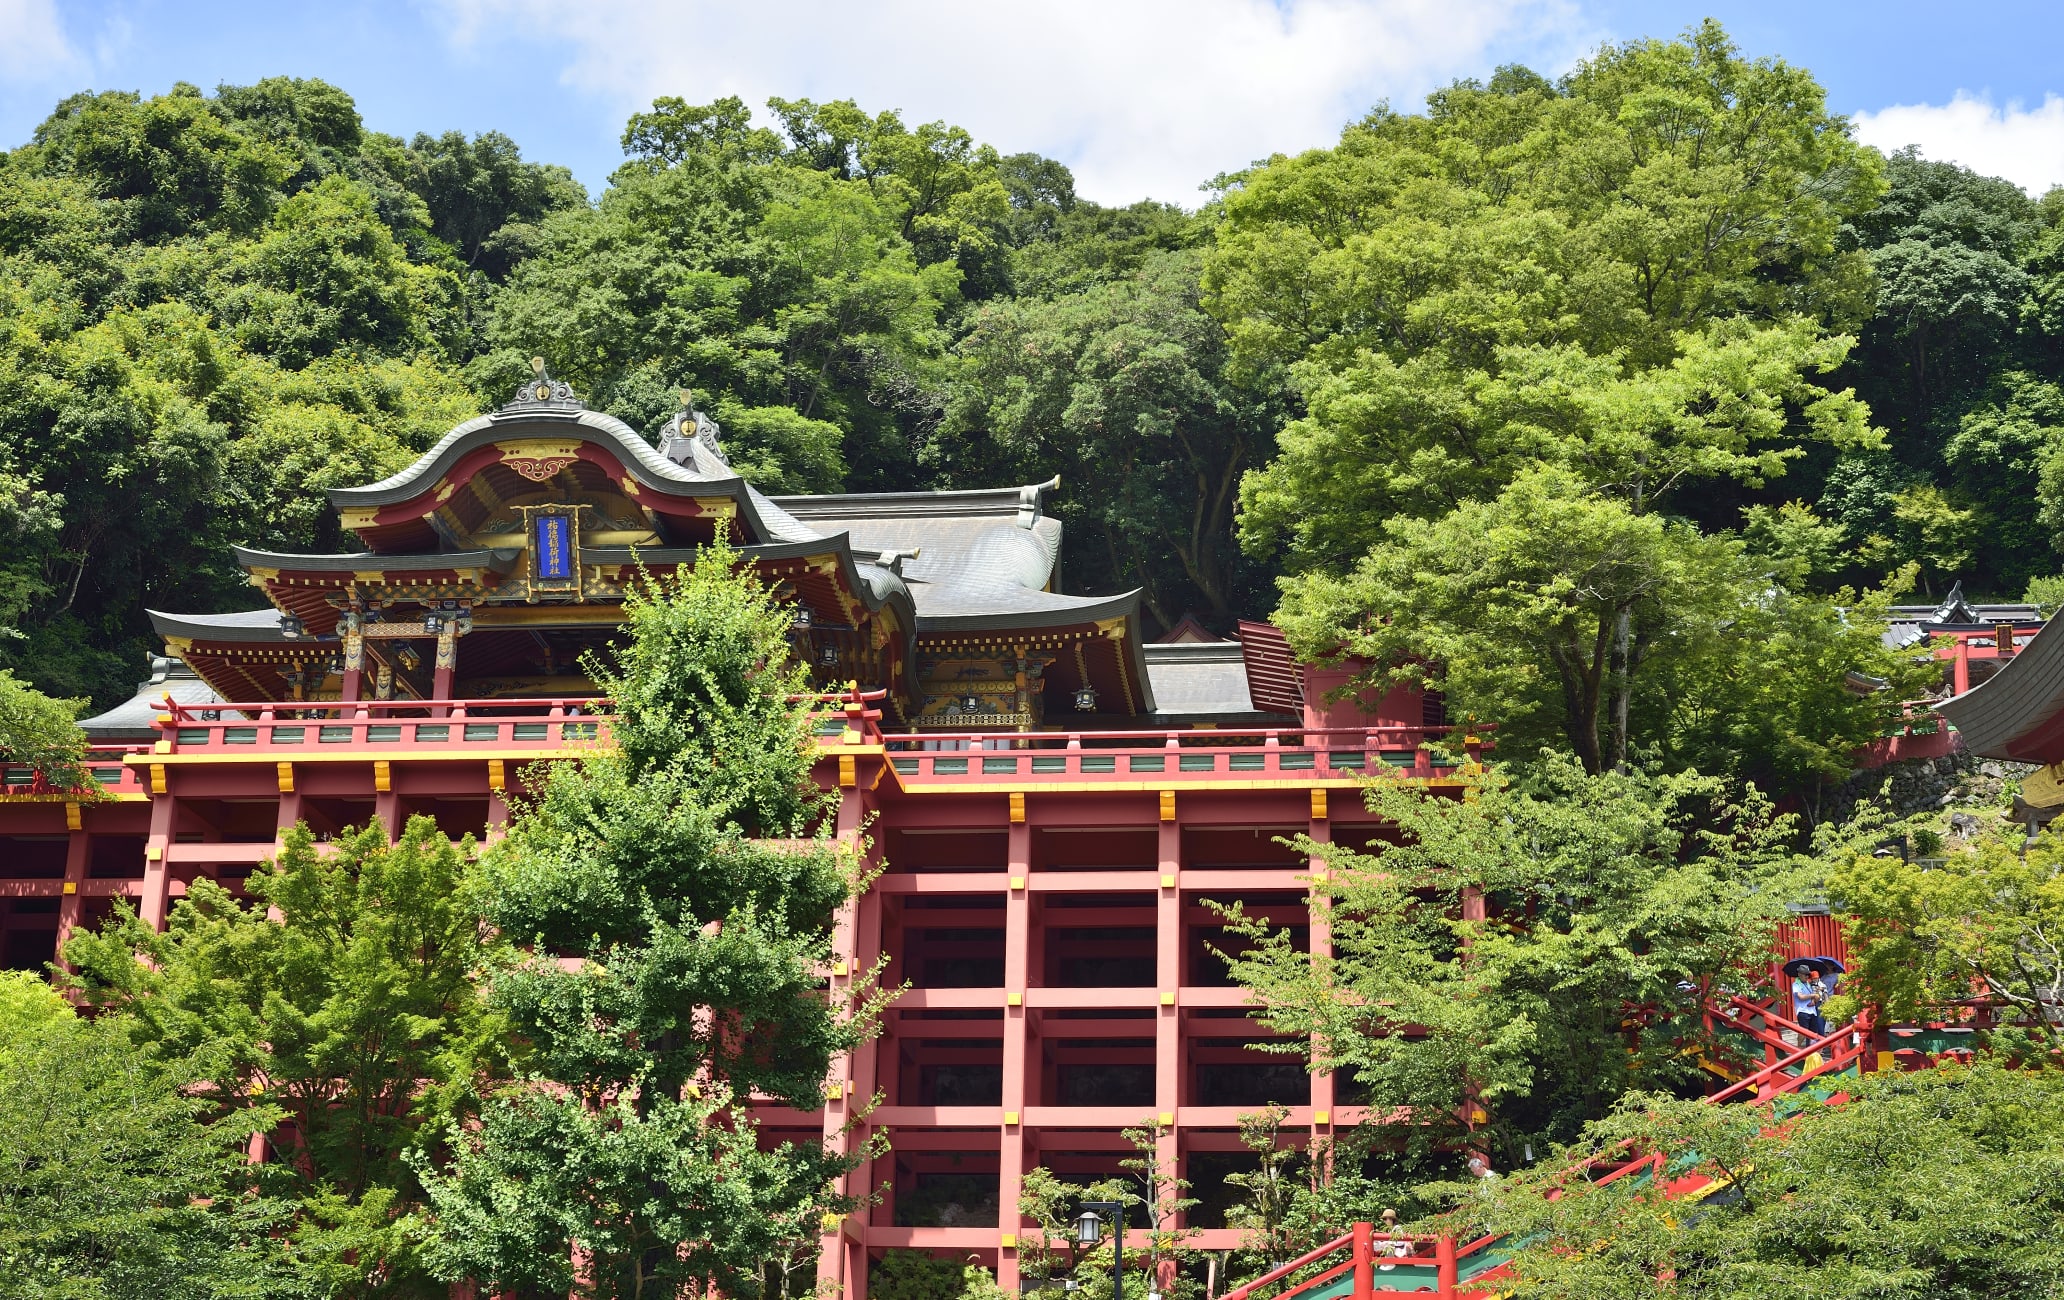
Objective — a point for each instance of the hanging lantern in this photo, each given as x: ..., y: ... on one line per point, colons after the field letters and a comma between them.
x: 433, y: 623
x: 829, y: 655
x: 1089, y: 1230
x: 291, y: 627
x: 1085, y: 699
x: 802, y: 618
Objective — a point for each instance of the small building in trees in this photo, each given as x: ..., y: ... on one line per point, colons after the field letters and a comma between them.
x: 1055, y: 799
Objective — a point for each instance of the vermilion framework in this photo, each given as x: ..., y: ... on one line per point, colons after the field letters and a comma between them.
x: 1048, y: 898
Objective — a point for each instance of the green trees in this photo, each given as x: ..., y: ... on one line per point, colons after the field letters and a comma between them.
x: 1546, y: 339
x: 39, y: 733
x: 112, y: 1185
x: 625, y: 1137
x: 1979, y: 922
x: 216, y: 307
x: 1123, y: 388
x: 1491, y: 956
x: 1942, y: 1182
x: 353, y: 1021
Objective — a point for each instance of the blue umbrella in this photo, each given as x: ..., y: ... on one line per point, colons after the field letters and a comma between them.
x: 1812, y: 965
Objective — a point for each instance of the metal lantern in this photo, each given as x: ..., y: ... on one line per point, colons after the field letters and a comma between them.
x: 971, y: 704
x: 1089, y: 1230
x: 1085, y: 699
x: 433, y: 623
x: 829, y: 655
x: 292, y: 628
x: 802, y: 618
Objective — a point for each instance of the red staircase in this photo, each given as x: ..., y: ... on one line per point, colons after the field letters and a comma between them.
x: 1366, y: 1262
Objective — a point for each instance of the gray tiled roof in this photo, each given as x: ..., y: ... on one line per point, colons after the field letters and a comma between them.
x: 131, y: 719
x: 1199, y: 678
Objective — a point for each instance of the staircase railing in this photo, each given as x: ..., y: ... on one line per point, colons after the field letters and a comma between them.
x: 1455, y: 1269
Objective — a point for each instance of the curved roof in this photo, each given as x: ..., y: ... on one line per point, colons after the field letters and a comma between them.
x: 255, y: 625
x: 351, y: 562
x: 134, y: 718
x: 2018, y: 712
x: 696, y: 477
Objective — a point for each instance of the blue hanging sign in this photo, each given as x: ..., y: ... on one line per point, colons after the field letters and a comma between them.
x: 551, y: 548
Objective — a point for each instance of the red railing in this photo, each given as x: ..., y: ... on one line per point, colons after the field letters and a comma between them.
x: 434, y: 727
x: 1266, y: 753
x: 103, y: 763
x: 430, y: 726
x: 456, y: 727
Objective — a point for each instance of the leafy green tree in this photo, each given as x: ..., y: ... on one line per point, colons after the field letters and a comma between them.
x: 916, y: 1275
x: 217, y: 307
x: 168, y: 165
x: 482, y: 198
x: 42, y: 734
x: 1943, y: 1182
x: 114, y: 1185
x: 787, y: 299
x: 1571, y: 620
x: 1981, y: 921
x: 1285, y: 1202
x: 1513, y: 965
x: 1623, y: 275
x: 356, y: 1016
x: 327, y: 275
x: 946, y: 190
x: 683, y: 877
x: 1121, y: 388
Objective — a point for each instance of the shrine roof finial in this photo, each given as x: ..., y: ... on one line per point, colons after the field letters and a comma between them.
x: 543, y: 390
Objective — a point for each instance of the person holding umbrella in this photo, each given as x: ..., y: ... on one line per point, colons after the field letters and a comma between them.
x: 1807, y: 994
x: 1813, y: 983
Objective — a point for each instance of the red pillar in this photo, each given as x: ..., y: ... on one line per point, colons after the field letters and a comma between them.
x: 1961, y: 674
x: 354, y: 666
x: 155, y: 900
x: 447, y: 667
x: 1444, y: 1268
x: 1012, y: 1144
x: 1168, y: 1072
x: 78, y: 858
x: 837, y: 1273
x: 1321, y: 832
x: 1364, y: 1261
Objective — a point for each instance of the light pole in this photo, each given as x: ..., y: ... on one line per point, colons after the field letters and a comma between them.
x: 1089, y: 1230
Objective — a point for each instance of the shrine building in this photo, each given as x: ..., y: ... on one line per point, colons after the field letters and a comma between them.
x: 1056, y: 800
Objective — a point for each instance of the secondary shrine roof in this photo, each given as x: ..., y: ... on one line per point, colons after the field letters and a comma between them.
x: 2018, y: 712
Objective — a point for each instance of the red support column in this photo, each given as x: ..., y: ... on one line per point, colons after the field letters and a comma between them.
x: 155, y: 900
x: 1017, y: 965
x: 287, y: 817
x: 446, y: 669
x: 1962, y: 672
x: 78, y: 858
x: 837, y: 1274
x: 1321, y: 832
x: 1444, y: 1268
x: 1364, y: 1261
x: 497, y: 797
x: 1168, y: 1073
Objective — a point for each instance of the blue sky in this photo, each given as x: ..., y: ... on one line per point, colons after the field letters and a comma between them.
x: 1141, y: 97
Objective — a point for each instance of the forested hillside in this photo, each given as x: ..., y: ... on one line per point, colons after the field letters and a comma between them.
x: 1604, y: 393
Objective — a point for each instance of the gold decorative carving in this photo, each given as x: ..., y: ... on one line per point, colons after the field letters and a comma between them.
x: 541, y: 469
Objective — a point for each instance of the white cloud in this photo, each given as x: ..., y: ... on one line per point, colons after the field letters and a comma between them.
x: 2025, y: 145
x: 33, y: 45
x: 1139, y: 97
